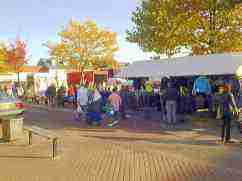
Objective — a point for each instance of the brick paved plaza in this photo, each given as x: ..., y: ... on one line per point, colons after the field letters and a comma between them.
x: 141, y: 153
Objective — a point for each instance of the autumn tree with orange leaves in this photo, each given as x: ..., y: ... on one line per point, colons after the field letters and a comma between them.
x: 16, y: 56
x: 84, y: 45
x: 12, y: 56
x: 3, y: 58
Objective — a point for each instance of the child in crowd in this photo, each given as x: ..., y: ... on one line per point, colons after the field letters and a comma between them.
x: 115, y: 101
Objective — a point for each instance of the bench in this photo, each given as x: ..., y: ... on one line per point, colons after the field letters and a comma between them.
x: 44, y: 133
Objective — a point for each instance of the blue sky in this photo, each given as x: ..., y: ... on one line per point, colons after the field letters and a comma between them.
x: 39, y: 20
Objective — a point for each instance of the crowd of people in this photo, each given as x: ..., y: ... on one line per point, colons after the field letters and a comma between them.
x: 88, y: 100
x: 13, y: 89
x: 223, y: 95
x: 171, y: 97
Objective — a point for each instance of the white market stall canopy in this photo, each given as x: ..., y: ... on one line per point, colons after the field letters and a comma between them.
x: 13, y: 77
x: 8, y: 77
x: 216, y: 64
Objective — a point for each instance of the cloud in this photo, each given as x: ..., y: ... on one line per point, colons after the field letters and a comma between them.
x: 139, y: 2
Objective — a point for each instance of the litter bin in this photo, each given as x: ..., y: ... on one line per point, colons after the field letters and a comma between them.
x: 12, y: 129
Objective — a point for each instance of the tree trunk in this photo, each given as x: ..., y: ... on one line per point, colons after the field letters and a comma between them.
x: 212, y: 25
x: 80, y: 69
x: 18, y: 74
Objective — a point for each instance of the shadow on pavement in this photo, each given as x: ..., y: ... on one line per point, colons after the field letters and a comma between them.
x: 91, y: 129
x: 62, y: 121
x: 203, y: 142
x: 20, y: 157
x: 116, y: 138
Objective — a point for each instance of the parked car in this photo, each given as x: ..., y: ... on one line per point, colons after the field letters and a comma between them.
x: 10, y: 106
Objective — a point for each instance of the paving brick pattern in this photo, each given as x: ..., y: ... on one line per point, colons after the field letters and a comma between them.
x: 104, y: 160
x: 97, y: 155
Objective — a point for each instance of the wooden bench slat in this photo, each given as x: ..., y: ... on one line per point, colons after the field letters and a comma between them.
x: 41, y: 132
x: 44, y: 133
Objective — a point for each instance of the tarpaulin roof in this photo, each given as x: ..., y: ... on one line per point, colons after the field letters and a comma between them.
x: 216, y: 64
x: 34, y: 69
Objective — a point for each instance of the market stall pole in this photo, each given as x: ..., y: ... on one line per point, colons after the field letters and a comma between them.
x: 12, y: 129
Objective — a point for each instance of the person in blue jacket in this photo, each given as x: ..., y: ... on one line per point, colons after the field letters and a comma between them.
x: 202, y: 86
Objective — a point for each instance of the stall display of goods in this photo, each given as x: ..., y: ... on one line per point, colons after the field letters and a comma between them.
x: 115, y: 81
x: 74, y: 78
x: 88, y: 77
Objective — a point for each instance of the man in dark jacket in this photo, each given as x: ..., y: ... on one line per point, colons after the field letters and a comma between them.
x: 124, y: 97
x: 228, y: 107
x: 51, y: 93
x: 171, y: 96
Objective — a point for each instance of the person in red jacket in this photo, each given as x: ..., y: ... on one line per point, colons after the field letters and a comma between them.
x: 71, y: 91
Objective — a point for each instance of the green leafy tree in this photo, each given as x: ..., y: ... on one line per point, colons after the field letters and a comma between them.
x: 215, y: 26
x: 158, y: 27
x: 204, y: 26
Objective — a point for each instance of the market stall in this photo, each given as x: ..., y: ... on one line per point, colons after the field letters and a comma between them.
x: 217, y: 64
x: 88, y: 76
x: 191, y: 73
